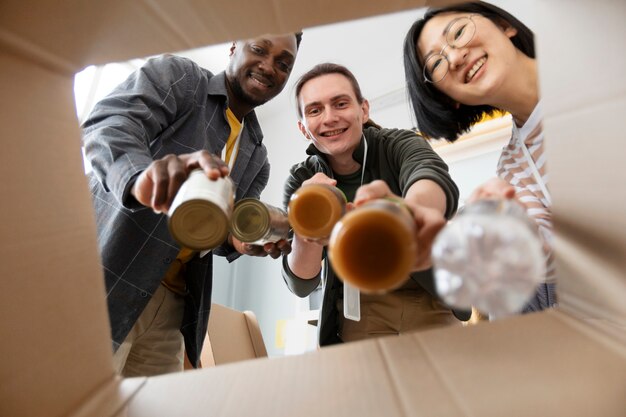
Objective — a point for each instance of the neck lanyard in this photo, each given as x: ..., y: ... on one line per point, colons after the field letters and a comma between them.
x: 364, y: 159
x: 352, y: 295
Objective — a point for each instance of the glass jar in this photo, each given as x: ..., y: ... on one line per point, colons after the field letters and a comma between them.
x: 373, y: 247
x: 314, y: 209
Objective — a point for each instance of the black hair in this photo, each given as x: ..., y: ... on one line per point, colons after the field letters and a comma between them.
x: 435, y: 113
x: 298, y: 36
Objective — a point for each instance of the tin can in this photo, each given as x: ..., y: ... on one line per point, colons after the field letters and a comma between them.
x: 199, y: 217
x: 258, y: 223
x: 314, y: 209
x: 373, y: 247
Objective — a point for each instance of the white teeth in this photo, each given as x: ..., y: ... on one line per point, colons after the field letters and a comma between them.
x: 259, y: 80
x: 333, y: 133
x: 478, y: 65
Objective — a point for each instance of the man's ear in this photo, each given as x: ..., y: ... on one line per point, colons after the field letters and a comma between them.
x: 232, y: 49
x: 365, y: 106
x: 303, y: 130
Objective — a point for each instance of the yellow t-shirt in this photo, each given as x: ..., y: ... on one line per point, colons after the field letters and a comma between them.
x: 174, y: 278
x: 232, y: 145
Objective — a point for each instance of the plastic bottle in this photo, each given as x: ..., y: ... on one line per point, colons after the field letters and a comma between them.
x: 258, y: 223
x: 314, y: 209
x: 373, y: 247
x: 490, y: 257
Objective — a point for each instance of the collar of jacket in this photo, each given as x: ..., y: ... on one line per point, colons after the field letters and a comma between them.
x: 217, y: 87
x: 358, y: 153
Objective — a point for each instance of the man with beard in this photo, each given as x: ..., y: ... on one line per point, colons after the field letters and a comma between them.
x: 167, y: 119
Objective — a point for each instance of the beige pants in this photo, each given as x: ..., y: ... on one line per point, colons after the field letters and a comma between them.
x: 154, y: 345
x: 394, y: 313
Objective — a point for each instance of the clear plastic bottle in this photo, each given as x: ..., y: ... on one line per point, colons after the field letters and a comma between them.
x: 490, y: 257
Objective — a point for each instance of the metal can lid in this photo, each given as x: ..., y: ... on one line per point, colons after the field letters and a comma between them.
x: 199, y: 224
x: 250, y: 220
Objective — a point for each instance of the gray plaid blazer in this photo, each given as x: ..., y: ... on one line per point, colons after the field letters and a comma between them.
x: 169, y: 106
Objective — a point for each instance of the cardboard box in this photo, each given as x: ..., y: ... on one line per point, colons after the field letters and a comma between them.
x: 233, y: 336
x: 56, y: 358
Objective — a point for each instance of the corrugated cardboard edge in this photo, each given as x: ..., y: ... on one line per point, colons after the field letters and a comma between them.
x: 255, y: 334
x: 110, y: 399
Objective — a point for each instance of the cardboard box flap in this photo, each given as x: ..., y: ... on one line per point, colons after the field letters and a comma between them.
x: 55, y: 330
x: 232, y: 336
x: 534, y: 365
x: 537, y: 364
x: 109, y: 400
x: 331, y: 382
x: 585, y: 150
x: 73, y: 34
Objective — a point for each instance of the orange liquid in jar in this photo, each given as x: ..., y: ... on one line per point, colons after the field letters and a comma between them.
x: 373, y: 247
x: 314, y: 209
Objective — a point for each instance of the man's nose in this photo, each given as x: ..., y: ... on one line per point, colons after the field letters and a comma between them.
x: 265, y: 64
x: 330, y: 115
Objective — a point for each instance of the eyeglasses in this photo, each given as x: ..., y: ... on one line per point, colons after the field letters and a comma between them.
x: 458, y: 34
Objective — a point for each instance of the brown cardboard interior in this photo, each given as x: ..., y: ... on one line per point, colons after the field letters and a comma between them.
x: 56, y: 357
x: 234, y: 336
x: 585, y: 148
x: 508, y: 368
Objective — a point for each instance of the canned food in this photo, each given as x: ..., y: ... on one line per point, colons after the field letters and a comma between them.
x: 258, y: 223
x: 200, y: 214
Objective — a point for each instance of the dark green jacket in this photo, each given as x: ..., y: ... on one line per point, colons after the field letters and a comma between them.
x: 400, y: 158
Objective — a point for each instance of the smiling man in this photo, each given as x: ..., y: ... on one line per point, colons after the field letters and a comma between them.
x: 351, y: 152
x: 142, y: 141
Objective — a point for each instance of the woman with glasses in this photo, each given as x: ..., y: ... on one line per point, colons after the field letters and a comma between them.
x: 466, y: 61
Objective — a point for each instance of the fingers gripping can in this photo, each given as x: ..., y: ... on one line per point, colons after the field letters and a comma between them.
x: 258, y: 223
x: 200, y: 214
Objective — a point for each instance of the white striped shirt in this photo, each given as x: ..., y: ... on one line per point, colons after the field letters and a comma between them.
x: 514, y: 168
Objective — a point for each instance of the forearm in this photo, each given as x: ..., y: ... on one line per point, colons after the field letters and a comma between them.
x: 305, y: 258
x: 427, y: 193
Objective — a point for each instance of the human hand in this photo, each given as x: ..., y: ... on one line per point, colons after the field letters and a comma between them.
x: 320, y: 178
x: 158, y: 184
x: 493, y: 188
x: 428, y: 221
x: 280, y: 248
x: 272, y: 249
